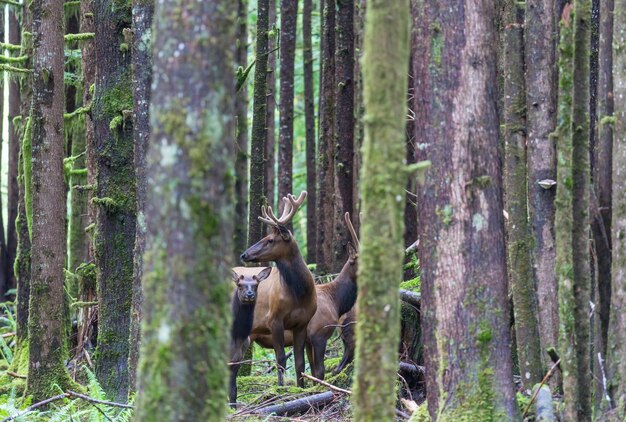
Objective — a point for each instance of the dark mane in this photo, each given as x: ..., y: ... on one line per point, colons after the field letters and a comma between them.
x: 343, y: 292
x: 295, y: 278
x: 243, y: 315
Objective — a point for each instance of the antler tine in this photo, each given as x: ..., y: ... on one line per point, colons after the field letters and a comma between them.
x: 268, y: 216
x: 355, y: 238
x: 284, y: 217
x: 294, y: 205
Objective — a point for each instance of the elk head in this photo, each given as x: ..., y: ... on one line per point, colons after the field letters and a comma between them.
x: 280, y: 242
x: 247, y: 286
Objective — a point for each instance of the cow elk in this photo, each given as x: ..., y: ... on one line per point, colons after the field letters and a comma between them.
x: 242, y: 306
x: 287, y: 299
x: 334, y: 299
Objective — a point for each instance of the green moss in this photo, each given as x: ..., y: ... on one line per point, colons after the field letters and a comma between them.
x: 27, y: 158
x: 608, y: 120
x: 119, y: 97
x: 116, y: 123
x: 107, y: 203
x: 446, y: 214
x: 437, y: 43
x: 79, y: 37
x: 124, y: 47
x: 413, y: 284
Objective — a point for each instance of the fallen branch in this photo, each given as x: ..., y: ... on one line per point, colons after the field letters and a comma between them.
x: 250, y: 361
x: 543, y: 381
x: 299, y: 405
x: 411, y: 368
x: 16, y: 375
x: 326, y: 384
x: 5, y: 335
x: 35, y: 406
x: 92, y: 400
x: 412, y: 248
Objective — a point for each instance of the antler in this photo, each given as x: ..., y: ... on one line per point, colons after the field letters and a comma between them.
x: 291, y: 205
x: 355, y: 238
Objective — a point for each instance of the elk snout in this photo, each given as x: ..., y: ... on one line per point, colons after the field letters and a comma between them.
x: 244, y: 257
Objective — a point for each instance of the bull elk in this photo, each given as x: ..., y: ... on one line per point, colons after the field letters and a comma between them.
x: 334, y: 299
x: 287, y: 299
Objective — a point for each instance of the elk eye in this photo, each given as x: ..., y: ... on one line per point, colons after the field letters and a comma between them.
x: 271, y: 240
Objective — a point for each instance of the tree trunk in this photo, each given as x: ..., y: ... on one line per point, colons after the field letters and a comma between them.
x: 539, y: 55
x: 86, y: 276
x: 46, y: 322
x: 616, y: 347
x: 383, y: 181
x: 142, y: 80
x: 270, y: 142
x: 14, y: 148
x: 288, y: 23
x: 603, y: 152
x: 183, y: 375
x: 258, y: 136
x: 344, y: 128
x: 4, y: 264
x: 519, y: 236
x: 410, y: 203
x: 241, y: 158
x: 325, y: 150
x: 115, y: 194
x: 309, y: 122
x: 572, y: 204
x: 462, y: 250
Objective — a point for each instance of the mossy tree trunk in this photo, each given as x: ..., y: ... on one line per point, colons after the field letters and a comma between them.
x: 572, y: 204
x: 13, y: 156
x: 259, y: 131
x: 270, y: 117
x: 115, y: 193
x: 4, y: 263
x: 288, y: 23
x: 21, y: 266
x: 462, y: 251
x: 325, y: 147
x: 603, y: 153
x: 519, y: 238
x: 86, y: 276
x: 241, y: 159
x: 183, y: 375
x: 309, y: 123
x: 383, y: 179
x: 539, y: 55
x: 46, y: 321
x: 344, y: 128
x: 142, y: 80
x: 616, y: 349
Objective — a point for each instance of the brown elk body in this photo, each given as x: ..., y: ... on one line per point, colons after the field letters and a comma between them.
x: 242, y: 307
x: 347, y: 327
x: 287, y: 299
x: 334, y: 299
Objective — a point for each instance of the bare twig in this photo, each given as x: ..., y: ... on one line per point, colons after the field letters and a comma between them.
x: 326, y: 384
x: 16, y: 375
x: 243, y: 362
x: 92, y: 400
x: 5, y: 335
x: 35, y: 406
x: 543, y: 381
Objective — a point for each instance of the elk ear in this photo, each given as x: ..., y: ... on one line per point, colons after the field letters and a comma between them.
x: 284, y: 232
x: 263, y: 274
x: 234, y: 276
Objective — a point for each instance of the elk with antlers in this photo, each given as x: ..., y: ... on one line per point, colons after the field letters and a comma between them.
x: 334, y: 299
x: 287, y: 299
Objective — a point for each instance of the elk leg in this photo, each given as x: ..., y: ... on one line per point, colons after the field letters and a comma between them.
x: 237, y: 351
x: 309, y: 355
x: 299, y: 337
x: 278, y: 337
x: 319, y: 352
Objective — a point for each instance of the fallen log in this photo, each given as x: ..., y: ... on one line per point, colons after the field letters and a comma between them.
x: 411, y: 368
x: 544, y: 408
x: 301, y: 405
x: 410, y: 297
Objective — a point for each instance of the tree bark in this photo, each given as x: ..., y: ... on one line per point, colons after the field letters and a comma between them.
x: 572, y: 205
x: 241, y: 158
x: 115, y: 194
x: 344, y: 128
x: 4, y: 257
x: 383, y: 180
x: 14, y: 148
x: 617, y: 323
x: 516, y: 204
x: 539, y: 55
x: 603, y: 152
x: 288, y: 23
x: 325, y: 150
x: 46, y: 322
x: 187, y: 283
x: 142, y: 80
x: 309, y: 122
x: 270, y: 141
x: 462, y: 250
x: 259, y: 132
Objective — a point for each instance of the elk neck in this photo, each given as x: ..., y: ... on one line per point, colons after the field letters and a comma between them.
x: 243, y: 314
x: 295, y: 274
x: 343, y: 291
